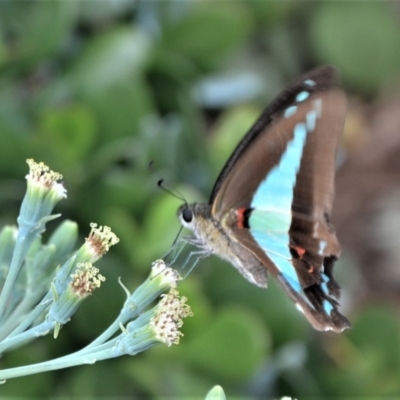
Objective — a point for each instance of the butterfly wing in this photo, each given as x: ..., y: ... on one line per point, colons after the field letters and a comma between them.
x: 281, y: 179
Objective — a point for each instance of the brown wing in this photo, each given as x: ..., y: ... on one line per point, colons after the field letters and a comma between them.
x: 316, y: 172
x: 312, y: 241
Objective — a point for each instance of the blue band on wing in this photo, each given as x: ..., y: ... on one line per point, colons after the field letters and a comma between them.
x: 272, y: 203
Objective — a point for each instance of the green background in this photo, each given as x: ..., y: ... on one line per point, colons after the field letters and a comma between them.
x: 100, y: 90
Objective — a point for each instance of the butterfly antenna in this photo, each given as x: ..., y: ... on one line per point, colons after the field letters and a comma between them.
x: 177, y: 195
x: 175, y: 249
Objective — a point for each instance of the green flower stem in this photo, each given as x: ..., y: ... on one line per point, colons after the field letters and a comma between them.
x: 39, y: 330
x: 56, y: 364
x: 24, y: 240
x: 136, y: 326
x: 8, y: 236
x: 144, y: 339
x: 86, y: 351
x: 17, y: 315
x: 122, y: 319
x: 22, y: 313
x: 33, y: 315
x: 156, y: 283
x: 114, y: 327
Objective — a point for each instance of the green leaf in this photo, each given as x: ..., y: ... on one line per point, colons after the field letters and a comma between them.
x: 232, y: 347
x: 167, y: 378
x: 69, y: 132
x: 229, y: 131
x: 362, y: 39
x: 209, y: 31
x: 376, y: 336
x: 272, y: 304
x: 272, y: 12
x: 161, y: 225
x: 38, y: 28
x: 113, y: 57
x: 120, y: 107
x: 368, y: 356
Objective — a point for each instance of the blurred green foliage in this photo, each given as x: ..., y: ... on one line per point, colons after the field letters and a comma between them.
x: 98, y: 90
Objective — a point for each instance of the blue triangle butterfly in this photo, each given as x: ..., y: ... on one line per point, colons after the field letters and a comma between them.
x: 269, y: 210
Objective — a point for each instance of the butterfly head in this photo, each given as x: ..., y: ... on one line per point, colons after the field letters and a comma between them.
x: 185, y: 214
x: 192, y: 215
x: 197, y: 218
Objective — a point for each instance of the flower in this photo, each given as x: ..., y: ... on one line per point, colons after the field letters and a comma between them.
x: 167, y: 276
x: 169, y: 317
x: 158, y: 325
x: 42, y: 194
x: 100, y: 240
x: 161, y: 279
x: 42, y: 176
x: 97, y: 244
x: 85, y: 279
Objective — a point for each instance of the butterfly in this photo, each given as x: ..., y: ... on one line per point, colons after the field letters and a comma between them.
x: 270, y: 208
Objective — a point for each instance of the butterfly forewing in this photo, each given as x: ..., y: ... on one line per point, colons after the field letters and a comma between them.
x: 321, y: 79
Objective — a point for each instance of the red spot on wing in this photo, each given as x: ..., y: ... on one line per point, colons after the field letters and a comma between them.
x: 299, y: 250
x: 241, y: 217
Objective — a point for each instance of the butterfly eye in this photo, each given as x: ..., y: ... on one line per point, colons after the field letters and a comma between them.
x: 187, y: 214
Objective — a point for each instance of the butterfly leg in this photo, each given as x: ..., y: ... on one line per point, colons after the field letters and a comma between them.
x: 194, y: 241
x: 175, y: 251
x: 198, y: 256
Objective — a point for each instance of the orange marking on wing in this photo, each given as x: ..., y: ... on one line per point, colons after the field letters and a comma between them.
x: 299, y: 250
x: 240, y: 217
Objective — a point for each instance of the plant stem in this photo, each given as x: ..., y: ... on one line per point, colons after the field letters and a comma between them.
x: 58, y: 363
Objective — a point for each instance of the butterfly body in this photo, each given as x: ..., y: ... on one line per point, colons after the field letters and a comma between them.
x: 213, y: 235
x: 270, y: 207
